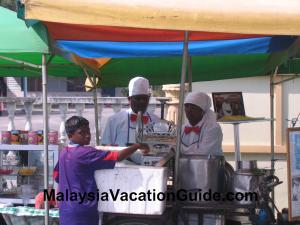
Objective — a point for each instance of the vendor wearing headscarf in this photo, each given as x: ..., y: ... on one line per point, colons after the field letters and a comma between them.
x: 201, y: 134
x: 120, y: 128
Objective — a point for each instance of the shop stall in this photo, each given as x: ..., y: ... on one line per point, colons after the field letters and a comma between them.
x: 190, y: 50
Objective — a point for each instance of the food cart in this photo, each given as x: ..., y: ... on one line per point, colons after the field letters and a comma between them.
x: 185, y: 62
x: 217, y: 176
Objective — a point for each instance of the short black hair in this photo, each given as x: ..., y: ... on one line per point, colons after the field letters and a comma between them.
x: 75, y: 122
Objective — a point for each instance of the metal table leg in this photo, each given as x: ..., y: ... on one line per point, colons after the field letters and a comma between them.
x: 237, y: 144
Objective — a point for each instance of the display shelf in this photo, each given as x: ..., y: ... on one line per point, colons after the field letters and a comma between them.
x: 5, y: 147
x: 19, y: 175
x: 34, y: 158
x: 15, y: 200
x: 259, y: 119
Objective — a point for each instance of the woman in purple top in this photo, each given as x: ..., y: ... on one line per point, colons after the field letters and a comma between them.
x: 77, y: 196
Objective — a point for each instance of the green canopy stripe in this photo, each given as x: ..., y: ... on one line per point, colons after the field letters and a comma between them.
x: 166, y: 70
x: 17, y: 37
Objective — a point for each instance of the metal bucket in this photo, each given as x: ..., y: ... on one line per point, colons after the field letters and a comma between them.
x: 247, y: 165
x: 246, y: 183
x: 202, y: 172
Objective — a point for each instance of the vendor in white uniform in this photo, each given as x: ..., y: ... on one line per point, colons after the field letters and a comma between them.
x: 201, y: 134
x: 120, y: 128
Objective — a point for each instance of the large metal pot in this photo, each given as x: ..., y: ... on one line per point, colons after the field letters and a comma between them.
x: 247, y: 165
x: 246, y: 183
x: 202, y: 172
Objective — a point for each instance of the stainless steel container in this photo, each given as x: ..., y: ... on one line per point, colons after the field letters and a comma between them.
x: 202, y: 172
x: 246, y: 183
x: 247, y: 165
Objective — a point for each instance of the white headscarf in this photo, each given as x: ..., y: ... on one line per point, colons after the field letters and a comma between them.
x: 138, y: 86
x: 204, y: 102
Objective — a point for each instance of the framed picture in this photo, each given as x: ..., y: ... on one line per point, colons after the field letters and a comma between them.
x: 293, y: 159
x: 228, y: 104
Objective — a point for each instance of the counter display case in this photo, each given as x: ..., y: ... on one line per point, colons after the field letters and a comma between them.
x: 22, y: 172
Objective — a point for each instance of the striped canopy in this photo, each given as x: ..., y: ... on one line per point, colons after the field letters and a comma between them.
x: 122, y: 52
x: 157, y: 54
x: 118, y: 42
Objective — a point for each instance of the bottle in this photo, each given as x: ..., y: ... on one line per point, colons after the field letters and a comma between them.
x: 262, y: 217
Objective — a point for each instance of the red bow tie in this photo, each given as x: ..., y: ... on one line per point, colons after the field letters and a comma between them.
x: 133, y: 118
x: 188, y: 130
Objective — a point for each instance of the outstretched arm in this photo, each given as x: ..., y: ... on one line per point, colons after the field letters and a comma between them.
x: 125, y: 153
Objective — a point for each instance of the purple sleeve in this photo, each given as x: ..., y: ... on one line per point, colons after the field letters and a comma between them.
x: 98, y: 159
x: 56, y: 173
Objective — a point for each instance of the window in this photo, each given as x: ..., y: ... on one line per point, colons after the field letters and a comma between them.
x: 34, y: 84
x: 75, y: 84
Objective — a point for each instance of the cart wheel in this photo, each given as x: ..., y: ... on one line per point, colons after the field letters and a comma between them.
x: 131, y: 221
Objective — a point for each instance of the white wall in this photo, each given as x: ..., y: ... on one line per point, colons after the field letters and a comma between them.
x: 256, y: 101
x: 257, y: 104
x: 291, y: 102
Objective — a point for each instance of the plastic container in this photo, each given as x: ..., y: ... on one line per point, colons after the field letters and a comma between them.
x: 6, y: 137
x: 15, y: 137
x: 53, y: 137
x: 40, y: 137
x: 32, y: 138
x: 24, y: 137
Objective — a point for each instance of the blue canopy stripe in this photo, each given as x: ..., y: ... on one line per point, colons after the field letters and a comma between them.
x: 112, y: 49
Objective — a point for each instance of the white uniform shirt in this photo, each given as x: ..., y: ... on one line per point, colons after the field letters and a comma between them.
x: 207, y: 142
x: 120, y: 130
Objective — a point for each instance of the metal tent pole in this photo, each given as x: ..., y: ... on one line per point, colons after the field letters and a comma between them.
x: 45, y: 119
x: 190, y: 73
x: 180, y: 108
x: 96, y: 109
x: 272, y: 127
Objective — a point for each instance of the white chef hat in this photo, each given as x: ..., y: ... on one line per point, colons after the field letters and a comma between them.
x: 138, y: 86
x: 199, y: 99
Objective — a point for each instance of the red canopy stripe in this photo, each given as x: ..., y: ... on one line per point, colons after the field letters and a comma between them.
x: 62, y: 31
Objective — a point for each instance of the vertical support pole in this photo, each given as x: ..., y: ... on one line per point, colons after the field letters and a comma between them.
x: 96, y: 109
x: 272, y: 127
x: 190, y: 73
x: 237, y: 150
x: 45, y: 119
x: 180, y: 109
